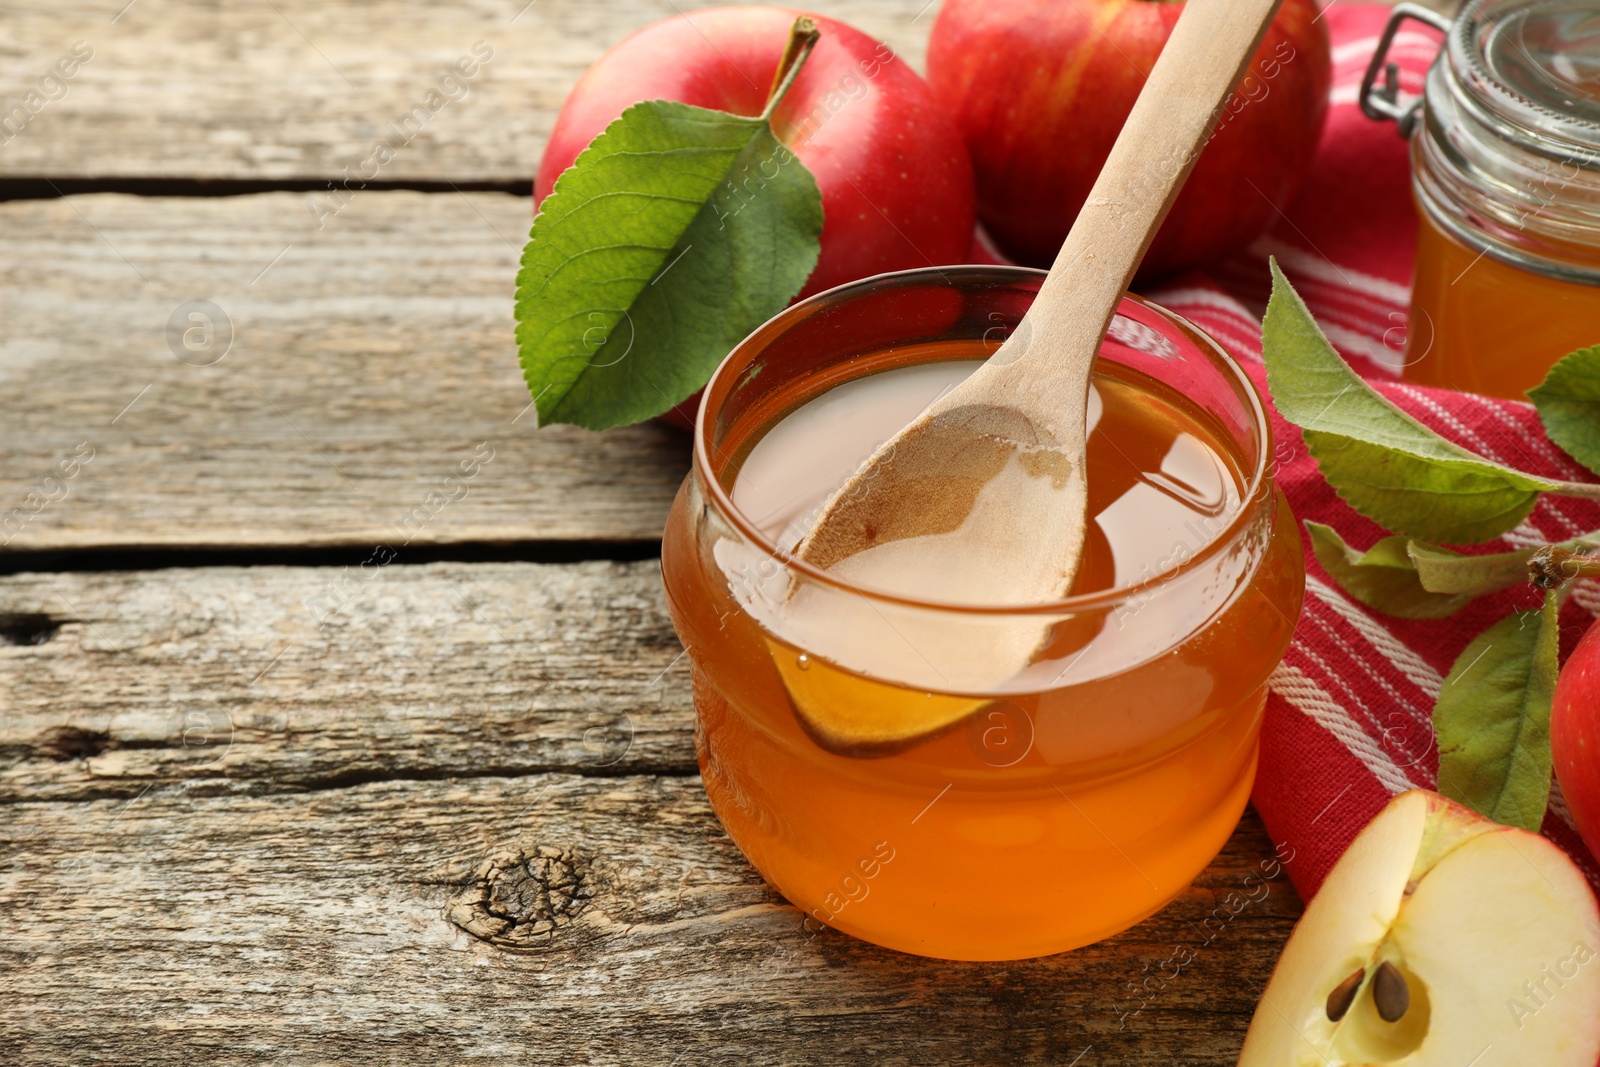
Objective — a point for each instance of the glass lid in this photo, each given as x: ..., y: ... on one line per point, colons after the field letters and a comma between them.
x: 1534, y: 66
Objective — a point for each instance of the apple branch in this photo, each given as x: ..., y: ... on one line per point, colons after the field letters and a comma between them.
x: 1552, y: 567
x: 1581, y: 490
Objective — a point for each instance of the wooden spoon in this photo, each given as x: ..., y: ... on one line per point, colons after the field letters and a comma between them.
x: 989, y: 480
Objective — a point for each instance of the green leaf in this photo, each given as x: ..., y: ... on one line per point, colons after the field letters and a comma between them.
x: 1443, y: 571
x: 1383, y: 462
x: 1383, y: 577
x: 676, y: 233
x: 1568, y: 401
x: 1416, y: 580
x: 1493, y: 718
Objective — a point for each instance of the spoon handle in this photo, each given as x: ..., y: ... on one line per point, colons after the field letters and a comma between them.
x: 1171, y: 121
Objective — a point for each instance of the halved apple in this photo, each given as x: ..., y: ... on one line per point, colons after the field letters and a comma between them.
x: 1439, y: 938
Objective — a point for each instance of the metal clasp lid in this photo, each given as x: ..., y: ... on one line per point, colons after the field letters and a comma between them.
x: 1386, y: 103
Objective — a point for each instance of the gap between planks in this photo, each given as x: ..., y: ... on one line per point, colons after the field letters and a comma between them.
x: 163, y: 557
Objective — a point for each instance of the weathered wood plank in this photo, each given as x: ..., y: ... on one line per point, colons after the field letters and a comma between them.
x: 298, y: 90
x: 283, y: 679
x: 313, y: 929
x: 301, y: 89
x: 370, y: 394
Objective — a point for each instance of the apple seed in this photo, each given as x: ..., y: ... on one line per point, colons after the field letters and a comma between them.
x: 1390, y: 992
x: 1344, y: 994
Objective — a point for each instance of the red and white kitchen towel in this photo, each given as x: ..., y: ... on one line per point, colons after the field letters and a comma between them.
x: 1348, y: 720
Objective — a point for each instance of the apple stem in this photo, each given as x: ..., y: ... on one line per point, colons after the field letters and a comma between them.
x: 1553, y: 566
x: 803, y: 37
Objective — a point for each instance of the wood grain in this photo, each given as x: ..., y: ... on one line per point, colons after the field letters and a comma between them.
x: 278, y: 679
x: 301, y: 89
x: 370, y: 360
x: 317, y: 928
x: 236, y: 835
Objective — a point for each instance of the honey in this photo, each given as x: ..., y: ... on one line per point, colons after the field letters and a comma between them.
x: 1059, y: 798
x: 1482, y: 325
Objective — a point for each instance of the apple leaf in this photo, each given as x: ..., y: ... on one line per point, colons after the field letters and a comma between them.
x: 1384, y: 577
x: 1383, y: 462
x: 1415, y: 580
x: 675, y: 234
x: 1443, y: 571
x: 1493, y: 718
x: 1568, y: 401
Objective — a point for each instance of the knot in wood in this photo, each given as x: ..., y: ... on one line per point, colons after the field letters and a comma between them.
x: 519, y: 898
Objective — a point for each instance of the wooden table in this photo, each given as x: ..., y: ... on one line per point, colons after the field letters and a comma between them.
x: 267, y: 805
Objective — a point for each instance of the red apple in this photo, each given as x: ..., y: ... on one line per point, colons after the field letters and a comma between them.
x: 1575, y: 736
x: 1040, y: 89
x: 895, y: 182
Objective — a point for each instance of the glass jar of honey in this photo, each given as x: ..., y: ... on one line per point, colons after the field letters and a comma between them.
x: 967, y: 780
x: 1505, y: 149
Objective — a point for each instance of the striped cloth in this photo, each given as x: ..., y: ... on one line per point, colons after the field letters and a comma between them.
x: 1348, y: 719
